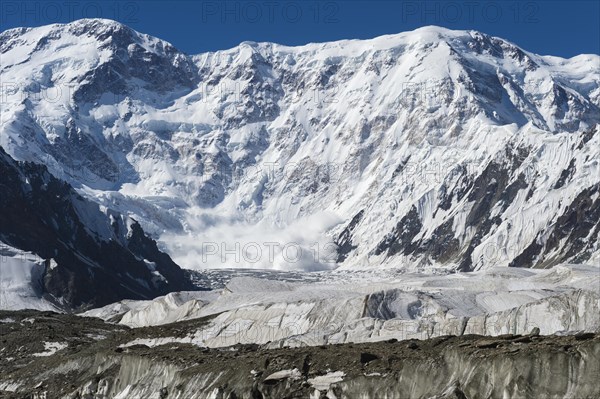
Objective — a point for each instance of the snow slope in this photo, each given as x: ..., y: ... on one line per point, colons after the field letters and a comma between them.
x: 430, y: 148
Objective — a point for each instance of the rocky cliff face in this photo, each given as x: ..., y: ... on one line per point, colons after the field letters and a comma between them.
x: 427, y: 148
x: 91, y: 255
x: 72, y: 357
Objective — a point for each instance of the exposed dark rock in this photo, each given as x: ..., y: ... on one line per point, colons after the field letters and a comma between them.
x: 44, y: 215
x: 344, y: 241
x: 586, y: 136
x: 576, y: 230
x: 496, y: 186
x: 584, y: 336
x: 367, y: 357
x: 401, y: 238
x: 565, y: 175
x: 443, y: 246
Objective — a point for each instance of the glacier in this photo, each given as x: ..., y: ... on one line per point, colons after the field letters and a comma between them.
x: 355, y: 307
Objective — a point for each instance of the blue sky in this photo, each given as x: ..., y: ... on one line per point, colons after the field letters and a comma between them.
x: 563, y: 28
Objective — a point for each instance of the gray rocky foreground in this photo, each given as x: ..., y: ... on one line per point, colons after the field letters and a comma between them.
x: 49, y: 355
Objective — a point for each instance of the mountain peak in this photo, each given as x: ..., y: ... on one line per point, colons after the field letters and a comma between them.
x: 77, y: 34
x: 78, y: 27
x: 98, y: 27
x: 150, y: 122
x: 99, y: 22
x: 436, y: 31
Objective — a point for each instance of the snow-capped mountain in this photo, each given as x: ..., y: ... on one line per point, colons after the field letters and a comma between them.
x: 61, y: 251
x: 428, y: 148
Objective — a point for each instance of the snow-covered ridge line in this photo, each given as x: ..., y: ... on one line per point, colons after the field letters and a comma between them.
x: 431, y: 148
x: 382, y: 42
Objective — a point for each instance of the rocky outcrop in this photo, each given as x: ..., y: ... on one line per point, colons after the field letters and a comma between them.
x: 93, y: 256
x: 64, y: 356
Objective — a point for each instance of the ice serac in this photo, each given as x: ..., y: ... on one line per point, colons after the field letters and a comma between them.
x: 72, y: 253
x: 21, y: 283
x: 430, y: 148
x: 346, y: 308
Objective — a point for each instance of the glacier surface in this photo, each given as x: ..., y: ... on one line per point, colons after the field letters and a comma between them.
x: 344, y: 308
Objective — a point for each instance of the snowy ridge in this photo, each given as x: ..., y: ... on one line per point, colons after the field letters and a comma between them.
x: 62, y: 251
x: 430, y: 148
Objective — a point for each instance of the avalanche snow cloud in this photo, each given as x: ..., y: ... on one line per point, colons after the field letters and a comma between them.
x: 431, y: 148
